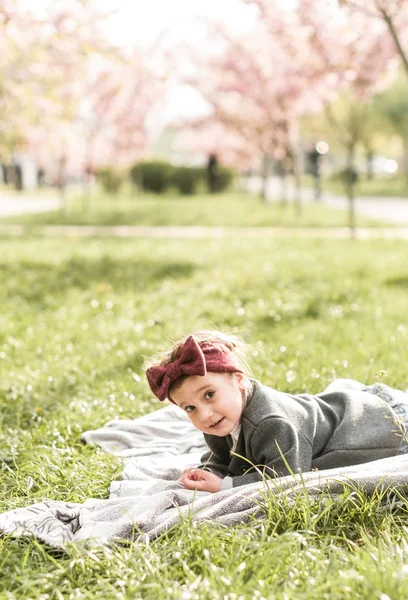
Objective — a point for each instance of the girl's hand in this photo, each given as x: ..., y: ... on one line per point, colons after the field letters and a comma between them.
x: 203, y: 481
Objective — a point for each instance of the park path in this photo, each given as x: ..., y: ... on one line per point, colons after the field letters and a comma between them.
x: 394, y: 210
x: 189, y: 232
x: 12, y: 205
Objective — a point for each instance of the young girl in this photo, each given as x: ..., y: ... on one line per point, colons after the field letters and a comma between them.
x: 253, y: 430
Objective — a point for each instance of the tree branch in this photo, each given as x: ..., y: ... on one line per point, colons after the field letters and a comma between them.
x: 392, y: 29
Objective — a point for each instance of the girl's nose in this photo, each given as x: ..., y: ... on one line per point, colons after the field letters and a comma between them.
x: 206, y: 414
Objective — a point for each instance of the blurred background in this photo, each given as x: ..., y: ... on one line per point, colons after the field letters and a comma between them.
x: 266, y: 96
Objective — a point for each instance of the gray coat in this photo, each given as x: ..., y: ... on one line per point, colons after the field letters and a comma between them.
x: 281, y: 432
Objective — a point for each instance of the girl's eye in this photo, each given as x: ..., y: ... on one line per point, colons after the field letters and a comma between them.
x: 189, y: 409
x: 208, y: 395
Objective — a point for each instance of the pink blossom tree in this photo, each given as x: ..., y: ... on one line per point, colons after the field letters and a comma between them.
x: 346, y: 55
x: 67, y: 96
x: 255, y: 99
x: 120, y: 99
x: 19, y: 52
x: 358, y: 53
x: 42, y: 66
x: 304, y: 85
x: 393, y: 14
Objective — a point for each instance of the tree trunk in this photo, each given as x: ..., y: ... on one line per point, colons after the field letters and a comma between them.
x: 62, y: 183
x: 387, y: 17
x: 297, y: 175
x: 405, y: 146
x: 265, y: 179
x: 88, y: 174
x: 244, y: 180
x: 284, y: 185
x: 351, y: 178
x: 87, y: 190
x: 295, y: 155
x: 370, y: 165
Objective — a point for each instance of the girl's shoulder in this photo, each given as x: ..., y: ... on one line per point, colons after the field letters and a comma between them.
x: 265, y: 401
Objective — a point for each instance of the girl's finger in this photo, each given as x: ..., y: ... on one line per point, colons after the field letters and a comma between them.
x: 187, y: 477
x: 193, y: 485
x: 198, y: 474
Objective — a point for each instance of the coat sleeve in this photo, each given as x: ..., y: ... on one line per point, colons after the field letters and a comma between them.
x: 278, y: 448
x: 213, y: 463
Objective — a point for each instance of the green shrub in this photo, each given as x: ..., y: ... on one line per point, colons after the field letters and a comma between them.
x: 224, y: 178
x: 152, y: 176
x: 344, y: 175
x: 110, y: 179
x: 187, y: 179
x: 135, y: 176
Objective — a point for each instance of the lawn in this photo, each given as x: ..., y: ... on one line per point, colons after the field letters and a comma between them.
x: 234, y: 209
x: 393, y: 187
x: 79, y: 316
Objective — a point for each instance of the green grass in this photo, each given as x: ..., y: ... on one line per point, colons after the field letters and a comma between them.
x: 233, y: 209
x: 393, y: 187
x: 79, y: 316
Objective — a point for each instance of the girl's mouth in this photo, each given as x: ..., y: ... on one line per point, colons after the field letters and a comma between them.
x: 215, y: 425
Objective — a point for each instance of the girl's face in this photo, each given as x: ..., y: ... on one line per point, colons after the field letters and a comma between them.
x: 214, y: 402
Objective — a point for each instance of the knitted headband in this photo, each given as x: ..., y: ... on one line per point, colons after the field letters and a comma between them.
x: 192, y: 360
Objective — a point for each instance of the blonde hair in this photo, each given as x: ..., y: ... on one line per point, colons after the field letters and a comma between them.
x: 205, y: 336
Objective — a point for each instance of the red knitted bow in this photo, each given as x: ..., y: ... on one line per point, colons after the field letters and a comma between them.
x: 192, y: 360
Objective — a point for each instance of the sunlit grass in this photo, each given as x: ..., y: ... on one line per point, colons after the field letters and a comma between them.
x: 380, y: 186
x: 234, y: 209
x: 79, y: 316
